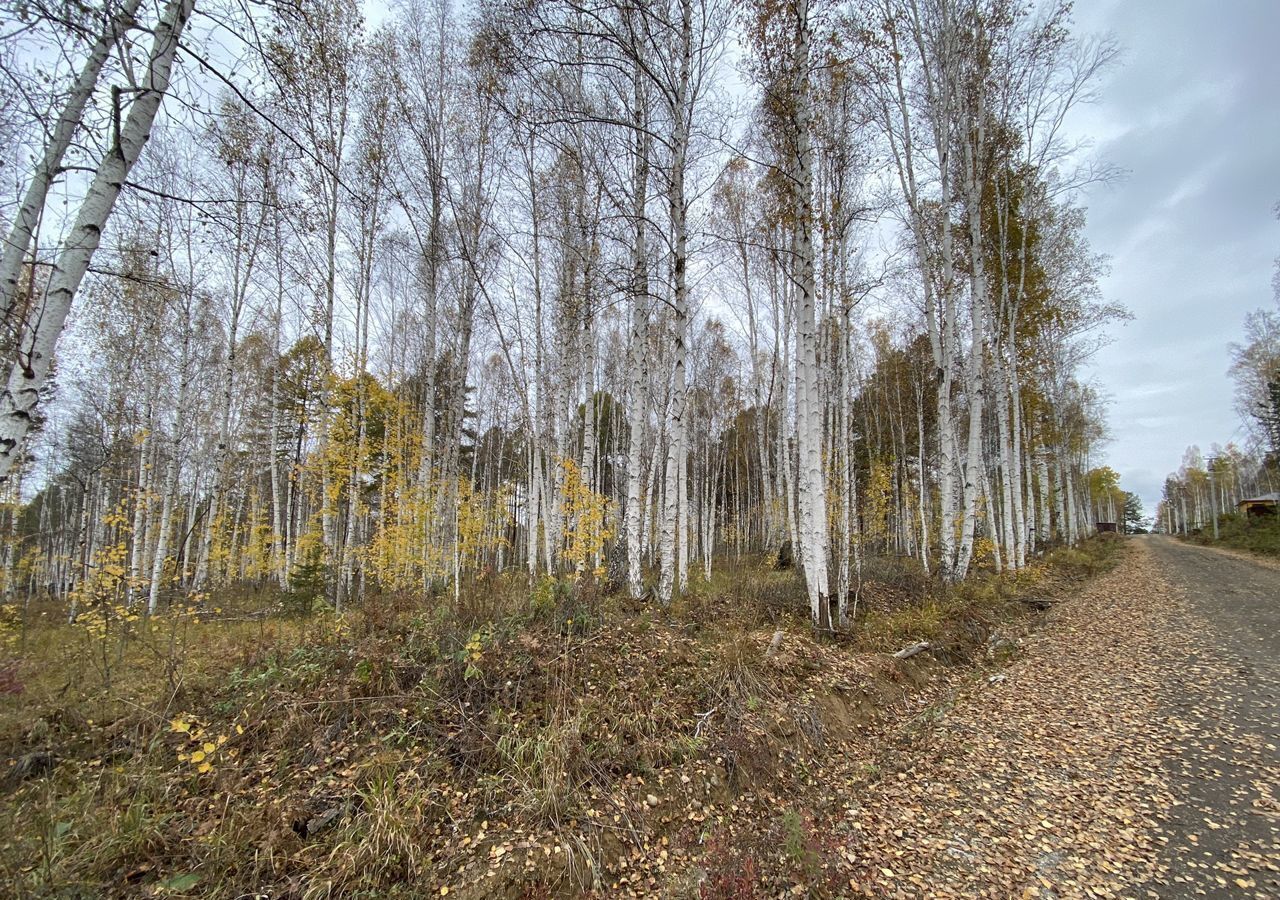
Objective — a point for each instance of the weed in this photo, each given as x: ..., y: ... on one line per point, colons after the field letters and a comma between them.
x: 798, y: 844
x: 541, y: 767
x: 732, y: 871
x: 380, y: 844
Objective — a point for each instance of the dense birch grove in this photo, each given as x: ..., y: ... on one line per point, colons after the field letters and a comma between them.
x: 621, y: 290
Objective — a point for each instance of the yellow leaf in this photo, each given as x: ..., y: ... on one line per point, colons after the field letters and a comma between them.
x: 204, y: 767
x: 239, y: 729
x: 198, y: 756
x: 179, y: 725
x: 208, y: 748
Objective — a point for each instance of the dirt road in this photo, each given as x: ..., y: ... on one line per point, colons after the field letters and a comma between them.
x: 1130, y: 751
x: 1226, y: 707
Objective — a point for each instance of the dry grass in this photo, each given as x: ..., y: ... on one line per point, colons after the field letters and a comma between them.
x: 413, y: 739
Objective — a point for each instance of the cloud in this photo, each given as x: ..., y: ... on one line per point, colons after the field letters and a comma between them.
x: 1191, y: 114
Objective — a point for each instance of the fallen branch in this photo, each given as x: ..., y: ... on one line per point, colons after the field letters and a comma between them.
x: 908, y: 652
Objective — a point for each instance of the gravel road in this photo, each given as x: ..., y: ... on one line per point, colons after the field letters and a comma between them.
x: 1225, y: 830
x: 1129, y: 751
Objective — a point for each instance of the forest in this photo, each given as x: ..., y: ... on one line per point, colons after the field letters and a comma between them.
x: 606, y: 288
x: 464, y: 351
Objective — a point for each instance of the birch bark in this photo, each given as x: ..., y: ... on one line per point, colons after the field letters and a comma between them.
x: 173, y: 468
x: 34, y: 354
x: 809, y: 413
x: 47, y: 170
x: 637, y: 408
x: 672, y: 519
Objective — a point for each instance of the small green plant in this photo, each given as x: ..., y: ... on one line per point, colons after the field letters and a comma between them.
x: 307, y: 583
x: 798, y: 844
x: 564, y: 604
x: 547, y: 596
x: 472, y: 652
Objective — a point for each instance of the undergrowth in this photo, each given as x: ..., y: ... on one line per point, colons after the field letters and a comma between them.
x: 928, y: 610
x: 1255, y: 534
x: 218, y: 753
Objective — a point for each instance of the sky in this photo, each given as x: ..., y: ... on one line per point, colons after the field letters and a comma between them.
x: 1192, y: 114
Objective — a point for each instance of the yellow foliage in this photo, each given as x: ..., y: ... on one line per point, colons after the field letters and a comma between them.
x: 203, y: 751
x: 102, y: 598
x: 586, y: 521
x: 480, y: 523
x: 257, y: 556
x: 984, y: 549
x: 877, y: 502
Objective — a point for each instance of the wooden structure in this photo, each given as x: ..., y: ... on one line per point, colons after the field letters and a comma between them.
x: 1107, y: 526
x: 1262, y: 505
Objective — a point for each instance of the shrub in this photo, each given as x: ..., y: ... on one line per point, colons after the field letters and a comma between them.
x: 567, y: 606
x: 1257, y: 534
x: 799, y: 845
x: 307, y: 583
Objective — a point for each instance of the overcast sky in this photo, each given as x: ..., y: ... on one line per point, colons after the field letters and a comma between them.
x: 1192, y: 113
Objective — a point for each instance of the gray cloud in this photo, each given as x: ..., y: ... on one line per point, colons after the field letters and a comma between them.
x: 1192, y: 114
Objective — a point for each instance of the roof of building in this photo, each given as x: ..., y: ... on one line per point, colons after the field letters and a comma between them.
x: 1273, y: 497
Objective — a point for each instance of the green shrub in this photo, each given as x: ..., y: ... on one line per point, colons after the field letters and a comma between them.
x: 566, y: 605
x: 1257, y: 534
x: 1090, y: 557
x: 307, y: 584
x: 800, y: 845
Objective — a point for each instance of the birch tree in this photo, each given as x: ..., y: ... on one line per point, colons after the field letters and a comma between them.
x: 510, y: 288
x: 114, y: 22
x: 33, y: 355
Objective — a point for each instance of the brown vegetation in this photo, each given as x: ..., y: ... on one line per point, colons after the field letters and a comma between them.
x: 542, y: 742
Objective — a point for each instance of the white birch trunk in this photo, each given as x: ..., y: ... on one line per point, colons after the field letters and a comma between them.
x: 173, y: 469
x: 809, y: 419
x: 141, y: 507
x: 50, y: 166
x: 638, y: 348
x: 34, y: 354
x: 1046, y: 492
x: 672, y: 519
